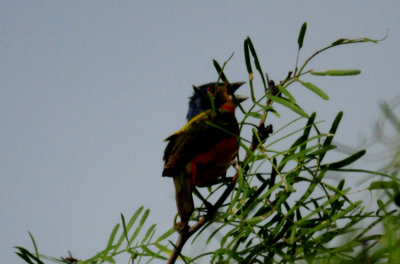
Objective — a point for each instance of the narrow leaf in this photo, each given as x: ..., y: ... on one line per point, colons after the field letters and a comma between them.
x: 381, y: 204
x: 27, y: 256
x: 382, y: 185
x: 219, y: 70
x: 256, y: 61
x: 166, y: 234
x: 307, y: 130
x: 332, y: 131
x: 337, y: 73
x: 124, y: 227
x: 247, y: 56
x: 315, y: 89
x: 112, y: 236
x: 287, y: 93
x: 339, y: 41
x: 108, y: 259
x: 255, y: 114
x: 288, y: 104
x: 34, y: 245
x: 341, y: 184
x: 346, y: 161
x: 139, y: 227
x: 129, y: 225
x: 163, y: 248
x: 349, y: 41
x: 301, y: 35
x: 149, y: 233
x: 152, y: 253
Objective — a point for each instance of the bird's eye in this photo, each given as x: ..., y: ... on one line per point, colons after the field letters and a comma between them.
x: 211, y: 89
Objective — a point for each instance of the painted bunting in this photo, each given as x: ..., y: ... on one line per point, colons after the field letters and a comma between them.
x: 204, y: 148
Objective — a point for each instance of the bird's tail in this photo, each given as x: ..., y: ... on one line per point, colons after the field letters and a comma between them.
x: 183, y: 195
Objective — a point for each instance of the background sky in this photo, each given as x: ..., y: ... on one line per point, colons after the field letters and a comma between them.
x: 89, y: 90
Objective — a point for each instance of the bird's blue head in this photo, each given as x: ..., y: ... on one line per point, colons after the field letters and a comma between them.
x: 200, y: 100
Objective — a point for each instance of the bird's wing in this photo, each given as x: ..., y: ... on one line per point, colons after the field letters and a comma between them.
x: 198, y: 118
x: 197, y: 136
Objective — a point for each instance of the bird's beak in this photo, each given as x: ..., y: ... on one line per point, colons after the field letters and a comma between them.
x: 232, y: 89
x: 234, y: 86
x: 240, y: 98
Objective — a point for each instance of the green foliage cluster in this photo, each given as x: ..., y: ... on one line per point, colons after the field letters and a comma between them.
x: 282, y: 209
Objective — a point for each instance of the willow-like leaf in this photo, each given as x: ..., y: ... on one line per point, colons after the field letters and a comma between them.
x: 288, y: 104
x: 220, y: 71
x: 128, y: 226
x: 250, y: 47
x: 166, y: 234
x: 112, y: 236
x: 140, y: 225
x: 347, y: 161
x: 315, y: 89
x: 152, y: 253
x: 336, y: 73
x: 376, y: 185
x: 301, y: 35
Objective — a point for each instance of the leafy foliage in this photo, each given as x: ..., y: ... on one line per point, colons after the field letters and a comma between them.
x: 281, y: 207
x: 124, y: 239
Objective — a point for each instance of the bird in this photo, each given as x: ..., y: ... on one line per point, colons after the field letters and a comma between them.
x: 203, y: 149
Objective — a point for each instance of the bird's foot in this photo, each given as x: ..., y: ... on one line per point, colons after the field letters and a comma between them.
x: 181, y: 227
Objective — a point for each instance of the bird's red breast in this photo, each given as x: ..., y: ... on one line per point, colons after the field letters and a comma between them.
x: 209, y: 165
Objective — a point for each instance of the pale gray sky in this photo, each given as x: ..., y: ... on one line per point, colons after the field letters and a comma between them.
x: 89, y: 90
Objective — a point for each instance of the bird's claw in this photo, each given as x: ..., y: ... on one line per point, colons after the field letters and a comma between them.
x: 181, y: 227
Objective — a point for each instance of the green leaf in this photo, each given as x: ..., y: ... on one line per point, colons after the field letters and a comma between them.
x: 27, y: 256
x: 382, y: 185
x: 149, y: 233
x: 219, y: 70
x: 112, y: 236
x: 166, y: 234
x: 346, y: 161
x: 307, y: 129
x: 301, y: 35
x: 334, y: 127
x: 336, y: 73
x: 139, y: 227
x: 341, y: 184
x: 34, y: 245
x: 349, y: 41
x: 256, y: 61
x: 288, y: 104
x: 315, y: 89
x: 255, y: 114
x: 128, y: 226
x: 247, y: 56
x: 125, y: 229
x: 287, y: 93
x: 163, y: 248
x: 381, y: 204
x: 108, y: 259
x: 152, y: 253
x: 339, y: 41
x: 390, y: 115
x: 332, y: 131
x: 250, y: 47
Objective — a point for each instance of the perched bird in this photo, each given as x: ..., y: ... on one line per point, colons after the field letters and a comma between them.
x: 204, y: 148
